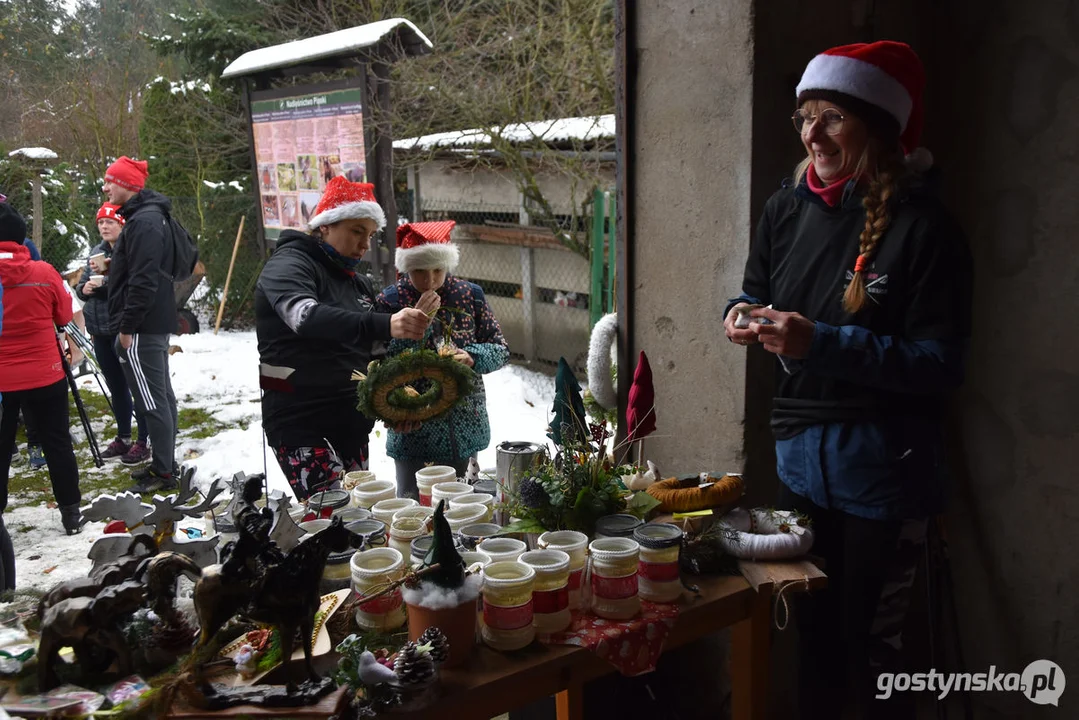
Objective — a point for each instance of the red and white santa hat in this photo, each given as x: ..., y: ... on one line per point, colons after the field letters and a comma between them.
x: 108, y: 212
x: 344, y: 200
x: 885, y: 74
x: 426, y: 246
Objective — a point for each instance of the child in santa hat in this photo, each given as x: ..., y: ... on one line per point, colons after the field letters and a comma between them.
x: 426, y: 259
x: 316, y: 324
x: 861, y: 280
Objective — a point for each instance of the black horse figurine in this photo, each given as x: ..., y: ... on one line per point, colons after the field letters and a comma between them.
x: 286, y: 597
x: 285, y: 594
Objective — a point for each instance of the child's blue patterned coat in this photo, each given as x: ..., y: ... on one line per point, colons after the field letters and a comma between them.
x: 465, y: 430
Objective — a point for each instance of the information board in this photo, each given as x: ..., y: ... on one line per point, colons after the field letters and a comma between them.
x: 302, y: 141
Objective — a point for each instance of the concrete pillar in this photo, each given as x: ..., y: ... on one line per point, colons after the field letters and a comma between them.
x: 691, y: 222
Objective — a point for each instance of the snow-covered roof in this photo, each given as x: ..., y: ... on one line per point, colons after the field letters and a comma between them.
x: 343, y: 43
x: 34, y: 153
x: 594, y: 127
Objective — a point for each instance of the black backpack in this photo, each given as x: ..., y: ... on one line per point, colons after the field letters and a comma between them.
x: 185, y: 252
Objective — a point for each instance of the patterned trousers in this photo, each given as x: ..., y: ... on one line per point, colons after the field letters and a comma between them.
x: 313, y: 469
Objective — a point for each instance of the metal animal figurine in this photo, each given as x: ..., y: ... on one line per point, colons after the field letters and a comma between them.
x: 285, y: 596
x: 157, y: 520
x: 256, y: 581
x: 88, y: 624
x: 114, y: 573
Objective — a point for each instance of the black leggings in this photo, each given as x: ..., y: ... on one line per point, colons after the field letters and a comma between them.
x: 122, y: 404
x: 47, y: 409
x: 842, y: 628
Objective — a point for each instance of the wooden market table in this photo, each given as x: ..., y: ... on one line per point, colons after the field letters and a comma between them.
x: 495, y: 682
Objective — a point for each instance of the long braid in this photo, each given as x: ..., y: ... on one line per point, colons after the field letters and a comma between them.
x: 877, y: 218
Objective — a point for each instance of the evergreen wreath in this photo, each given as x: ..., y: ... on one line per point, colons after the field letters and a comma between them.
x: 386, y: 392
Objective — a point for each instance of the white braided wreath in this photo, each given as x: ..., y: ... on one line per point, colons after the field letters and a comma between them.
x: 761, y: 534
x: 600, y: 382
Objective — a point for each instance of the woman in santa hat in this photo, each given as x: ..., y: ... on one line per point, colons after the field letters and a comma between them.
x: 426, y: 258
x: 862, y: 282
x: 316, y: 325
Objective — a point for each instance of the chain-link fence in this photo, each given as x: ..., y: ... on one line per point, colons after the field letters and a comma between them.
x: 539, y: 290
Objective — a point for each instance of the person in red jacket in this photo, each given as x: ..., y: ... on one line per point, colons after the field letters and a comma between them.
x: 32, y: 376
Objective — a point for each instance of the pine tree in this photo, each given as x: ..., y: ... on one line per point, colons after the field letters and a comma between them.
x: 451, y: 568
x: 568, y: 424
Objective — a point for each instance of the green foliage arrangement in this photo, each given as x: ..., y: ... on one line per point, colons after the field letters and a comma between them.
x: 581, y: 482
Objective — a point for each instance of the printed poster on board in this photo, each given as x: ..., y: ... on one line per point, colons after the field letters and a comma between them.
x: 301, y: 143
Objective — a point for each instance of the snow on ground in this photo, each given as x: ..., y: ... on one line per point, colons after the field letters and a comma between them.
x: 220, y: 374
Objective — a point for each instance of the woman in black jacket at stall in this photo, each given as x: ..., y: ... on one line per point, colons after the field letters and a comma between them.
x: 315, y: 326
x: 867, y: 279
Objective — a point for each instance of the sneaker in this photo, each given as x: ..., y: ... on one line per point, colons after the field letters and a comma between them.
x: 148, y: 480
x: 116, y: 450
x: 137, y: 454
x: 37, y: 458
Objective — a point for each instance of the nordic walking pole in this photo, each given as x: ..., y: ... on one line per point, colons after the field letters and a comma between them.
x: 94, y: 451
x: 228, y: 277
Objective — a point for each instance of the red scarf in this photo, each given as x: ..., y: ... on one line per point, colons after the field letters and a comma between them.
x: 830, y: 194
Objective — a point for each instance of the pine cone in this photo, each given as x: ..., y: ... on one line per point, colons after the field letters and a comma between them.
x: 440, y: 646
x: 532, y: 493
x: 412, y: 666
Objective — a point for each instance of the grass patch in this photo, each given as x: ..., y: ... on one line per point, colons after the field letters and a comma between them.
x: 30, y: 487
x: 199, y: 423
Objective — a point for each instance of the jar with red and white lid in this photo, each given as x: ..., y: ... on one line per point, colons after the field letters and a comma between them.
x: 429, y: 476
x: 507, y: 605
x: 373, y: 570
x: 448, y: 491
x: 614, y: 578
x: 658, y: 573
x: 550, y: 592
x: 574, y: 544
x: 372, y: 492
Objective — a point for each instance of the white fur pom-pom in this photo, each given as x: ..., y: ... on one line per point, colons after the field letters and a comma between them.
x: 919, y: 160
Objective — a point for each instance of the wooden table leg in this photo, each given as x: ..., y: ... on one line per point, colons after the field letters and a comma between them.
x: 750, y: 640
x: 569, y: 703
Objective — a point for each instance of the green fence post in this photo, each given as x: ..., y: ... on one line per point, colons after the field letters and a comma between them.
x: 595, y: 299
x: 612, y: 265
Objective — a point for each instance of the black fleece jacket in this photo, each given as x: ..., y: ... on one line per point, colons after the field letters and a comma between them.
x: 141, y: 294
x: 315, y: 327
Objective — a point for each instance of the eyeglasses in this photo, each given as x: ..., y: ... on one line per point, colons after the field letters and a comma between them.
x: 831, y: 121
